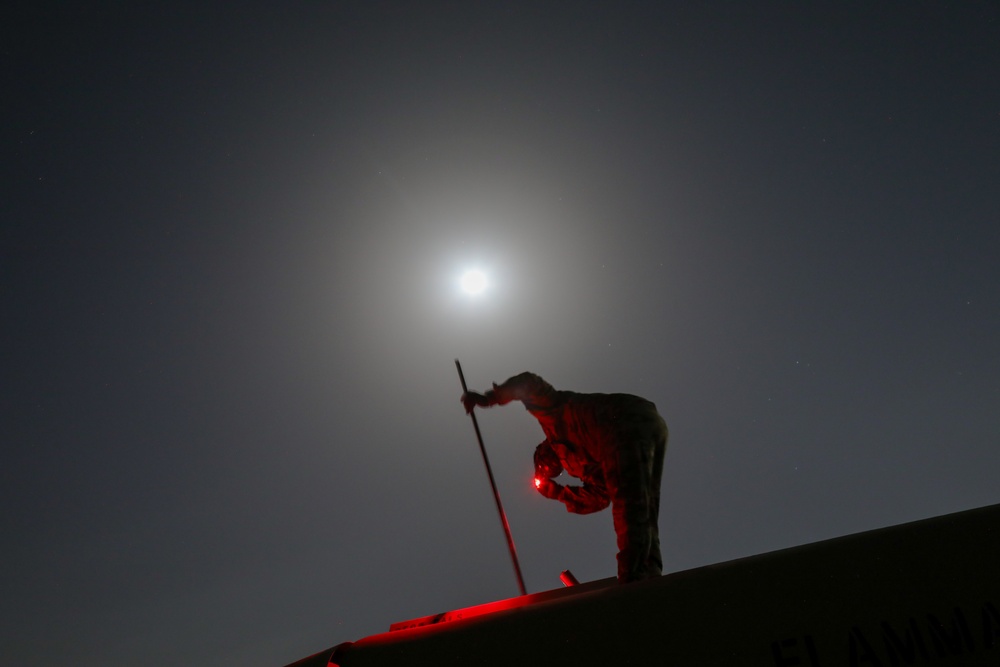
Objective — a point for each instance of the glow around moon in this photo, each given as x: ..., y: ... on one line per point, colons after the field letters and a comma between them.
x: 473, y: 282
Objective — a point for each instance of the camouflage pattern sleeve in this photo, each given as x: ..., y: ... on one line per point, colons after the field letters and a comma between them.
x: 526, y: 387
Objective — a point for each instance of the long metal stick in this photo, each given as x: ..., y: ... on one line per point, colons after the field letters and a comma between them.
x: 493, y: 484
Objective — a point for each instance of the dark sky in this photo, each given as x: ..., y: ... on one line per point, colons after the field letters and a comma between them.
x: 229, y: 253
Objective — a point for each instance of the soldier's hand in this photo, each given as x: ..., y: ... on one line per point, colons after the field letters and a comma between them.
x: 471, y: 399
x: 548, y: 488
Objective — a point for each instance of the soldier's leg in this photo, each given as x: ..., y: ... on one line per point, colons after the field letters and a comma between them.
x: 612, y: 481
x: 625, y: 558
x: 628, y: 482
x: 654, y: 563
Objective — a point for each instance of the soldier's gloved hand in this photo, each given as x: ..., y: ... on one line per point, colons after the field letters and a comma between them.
x: 548, y: 488
x: 471, y: 399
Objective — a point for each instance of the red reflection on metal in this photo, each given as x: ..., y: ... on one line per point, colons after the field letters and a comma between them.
x: 568, y: 578
x: 459, y: 614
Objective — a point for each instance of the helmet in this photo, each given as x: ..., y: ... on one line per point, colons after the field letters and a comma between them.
x: 547, y: 463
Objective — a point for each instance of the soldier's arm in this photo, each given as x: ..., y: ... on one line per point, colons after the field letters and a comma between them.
x: 585, y: 499
x: 528, y: 388
x: 524, y: 387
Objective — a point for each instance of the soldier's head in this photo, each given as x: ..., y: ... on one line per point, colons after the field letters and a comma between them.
x: 547, y: 463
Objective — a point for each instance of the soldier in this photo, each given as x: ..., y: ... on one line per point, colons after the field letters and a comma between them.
x: 614, y: 443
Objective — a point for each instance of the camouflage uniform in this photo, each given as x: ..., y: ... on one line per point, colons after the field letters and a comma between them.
x: 615, y: 444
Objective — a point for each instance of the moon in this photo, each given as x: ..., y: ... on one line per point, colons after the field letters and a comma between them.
x: 474, y: 282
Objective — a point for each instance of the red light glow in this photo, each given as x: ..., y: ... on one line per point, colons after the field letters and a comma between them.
x: 538, y: 482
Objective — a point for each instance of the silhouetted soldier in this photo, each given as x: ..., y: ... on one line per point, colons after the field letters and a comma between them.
x: 614, y: 443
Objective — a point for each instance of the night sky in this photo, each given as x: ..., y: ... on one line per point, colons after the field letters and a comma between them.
x: 230, y: 249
